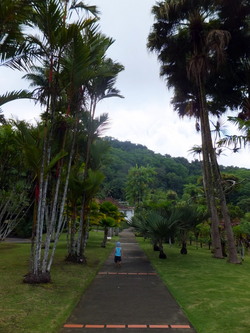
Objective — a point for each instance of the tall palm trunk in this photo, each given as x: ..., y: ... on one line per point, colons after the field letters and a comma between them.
x: 35, y: 275
x: 232, y: 250
x: 80, y: 255
x: 51, y: 222
x: 214, y: 187
x: 39, y: 272
x: 208, y: 175
x: 83, y: 230
x: 61, y: 219
x: 72, y: 234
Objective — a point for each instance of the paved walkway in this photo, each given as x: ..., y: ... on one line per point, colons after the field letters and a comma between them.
x: 129, y: 299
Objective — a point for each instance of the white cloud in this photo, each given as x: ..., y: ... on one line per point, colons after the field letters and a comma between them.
x: 158, y: 128
x: 145, y: 116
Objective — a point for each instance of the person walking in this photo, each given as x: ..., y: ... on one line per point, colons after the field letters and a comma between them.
x: 118, y: 254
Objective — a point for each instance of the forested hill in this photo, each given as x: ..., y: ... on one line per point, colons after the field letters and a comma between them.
x: 172, y: 172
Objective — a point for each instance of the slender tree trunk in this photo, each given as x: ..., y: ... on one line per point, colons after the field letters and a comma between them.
x: 85, y: 233
x: 183, y: 242
x: 214, y: 186
x: 232, y: 250
x: 105, y: 237
x: 35, y: 275
x: 80, y: 248
x: 72, y: 236
x: 38, y: 273
x: 41, y: 211
x: 83, y: 216
x: 61, y: 219
x: 51, y: 224
x: 162, y: 255
x: 208, y: 175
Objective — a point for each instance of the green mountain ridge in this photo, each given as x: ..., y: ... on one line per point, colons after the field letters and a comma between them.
x: 172, y: 173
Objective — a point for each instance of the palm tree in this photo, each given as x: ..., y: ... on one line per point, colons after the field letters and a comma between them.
x: 12, y: 40
x: 91, y: 185
x: 11, y: 30
x: 100, y: 86
x: 57, y: 37
x: 188, y: 216
x: 189, y: 44
x: 155, y: 225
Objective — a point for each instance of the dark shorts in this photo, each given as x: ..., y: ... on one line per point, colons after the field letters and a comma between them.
x: 118, y: 258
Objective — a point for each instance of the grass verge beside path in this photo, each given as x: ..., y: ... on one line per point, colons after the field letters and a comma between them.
x: 214, y: 294
x: 44, y: 308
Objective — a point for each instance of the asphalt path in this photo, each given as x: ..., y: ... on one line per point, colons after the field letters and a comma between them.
x: 130, y: 299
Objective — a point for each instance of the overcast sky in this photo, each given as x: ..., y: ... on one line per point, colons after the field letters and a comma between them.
x: 145, y: 116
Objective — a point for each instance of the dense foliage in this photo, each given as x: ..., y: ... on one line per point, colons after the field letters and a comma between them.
x: 172, y: 173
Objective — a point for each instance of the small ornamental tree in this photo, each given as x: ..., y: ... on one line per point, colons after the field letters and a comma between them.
x: 156, y: 225
x: 109, y: 217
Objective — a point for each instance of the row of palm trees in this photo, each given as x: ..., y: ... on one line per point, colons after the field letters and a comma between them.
x: 63, y: 54
x: 203, y: 48
x: 168, y: 222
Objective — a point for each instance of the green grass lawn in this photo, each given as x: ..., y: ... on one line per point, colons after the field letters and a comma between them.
x: 44, y: 308
x: 214, y: 294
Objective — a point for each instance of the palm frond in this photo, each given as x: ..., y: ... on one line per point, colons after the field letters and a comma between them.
x: 14, y: 95
x: 92, y: 9
x: 55, y: 159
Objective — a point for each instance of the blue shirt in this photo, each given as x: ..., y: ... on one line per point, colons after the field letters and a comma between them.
x: 118, y: 251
